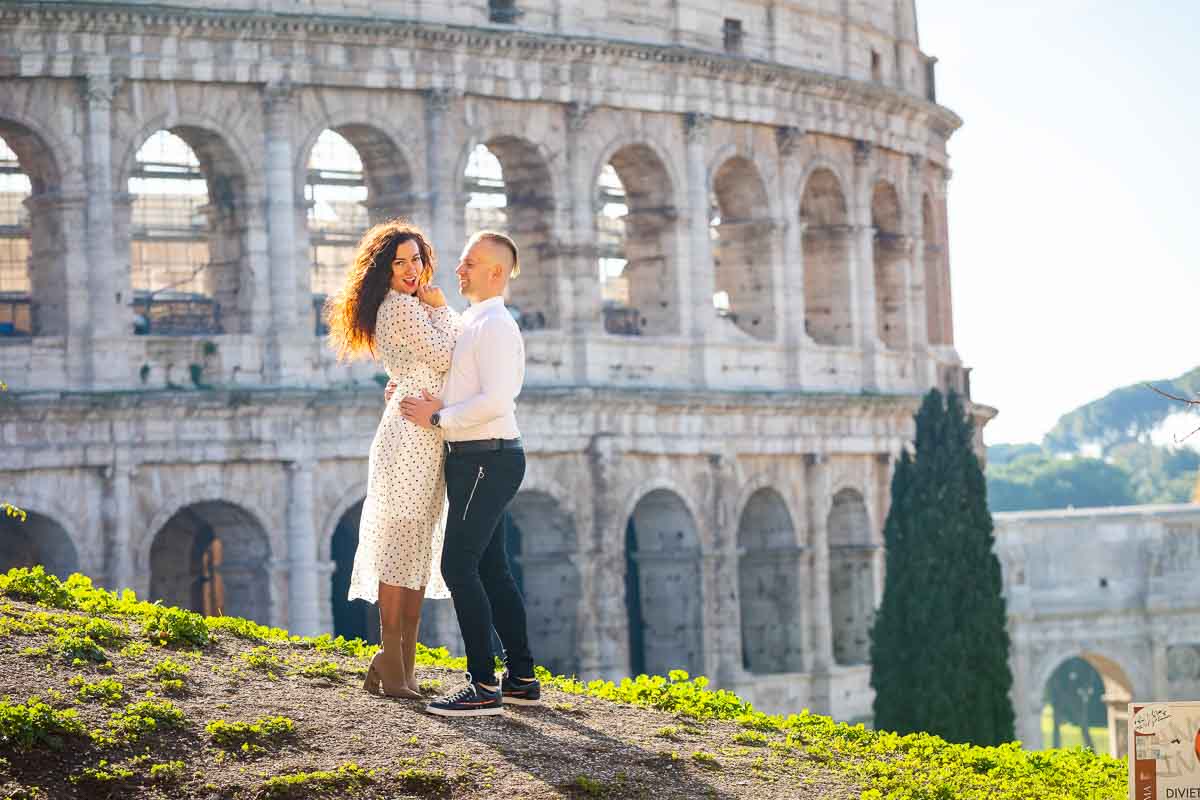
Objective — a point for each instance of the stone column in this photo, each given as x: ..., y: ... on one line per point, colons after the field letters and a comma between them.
x: 863, y: 301
x: 579, y: 297
x: 790, y: 316
x: 443, y: 193
x: 1158, y: 666
x: 722, y: 607
x: 604, y: 631
x: 817, y: 489
x: 696, y: 312
x: 304, y: 614
x: 918, y: 318
x: 107, y: 296
x: 64, y: 301
x: 286, y: 351
x: 118, y: 518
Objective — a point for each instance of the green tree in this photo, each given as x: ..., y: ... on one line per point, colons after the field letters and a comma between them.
x: 1040, y: 481
x: 939, y: 645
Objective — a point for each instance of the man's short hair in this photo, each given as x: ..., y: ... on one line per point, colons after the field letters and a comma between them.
x: 506, y: 240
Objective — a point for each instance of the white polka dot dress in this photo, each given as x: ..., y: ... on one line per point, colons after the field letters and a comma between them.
x: 403, y: 519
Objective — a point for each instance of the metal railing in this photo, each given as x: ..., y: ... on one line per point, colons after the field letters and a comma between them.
x: 622, y: 320
x: 16, y: 315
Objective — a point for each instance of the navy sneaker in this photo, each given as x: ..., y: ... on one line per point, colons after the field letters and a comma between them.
x: 521, y: 693
x: 473, y: 700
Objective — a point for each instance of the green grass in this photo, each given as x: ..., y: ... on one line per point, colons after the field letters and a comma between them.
x: 1072, y: 735
x: 889, y: 766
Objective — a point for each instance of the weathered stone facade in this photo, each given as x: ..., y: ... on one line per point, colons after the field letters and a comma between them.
x: 1114, y: 586
x: 706, y: 490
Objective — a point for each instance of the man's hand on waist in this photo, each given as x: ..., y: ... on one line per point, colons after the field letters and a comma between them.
x: 418, y: 410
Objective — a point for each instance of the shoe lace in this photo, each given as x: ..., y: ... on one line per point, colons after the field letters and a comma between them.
x: 465, y: 693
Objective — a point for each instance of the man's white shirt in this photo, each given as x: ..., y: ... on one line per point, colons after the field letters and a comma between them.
x: 486, y: 373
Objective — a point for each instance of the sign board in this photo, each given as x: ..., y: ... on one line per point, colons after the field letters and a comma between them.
x: 1164, y: 751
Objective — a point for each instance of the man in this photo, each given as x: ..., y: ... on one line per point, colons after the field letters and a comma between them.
x: 485, y: 464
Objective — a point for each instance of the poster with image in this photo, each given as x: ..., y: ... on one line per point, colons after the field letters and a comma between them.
x: 1164, y: 751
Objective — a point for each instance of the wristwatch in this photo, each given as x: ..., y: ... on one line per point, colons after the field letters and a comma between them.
x: 435, y: 419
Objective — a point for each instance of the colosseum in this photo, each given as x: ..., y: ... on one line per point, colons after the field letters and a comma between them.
x: 735, y: 290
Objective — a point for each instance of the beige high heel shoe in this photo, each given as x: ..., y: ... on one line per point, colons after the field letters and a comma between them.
x: 386, y: 673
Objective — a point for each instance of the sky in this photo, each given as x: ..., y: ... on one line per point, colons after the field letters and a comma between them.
x: 1075, y: 199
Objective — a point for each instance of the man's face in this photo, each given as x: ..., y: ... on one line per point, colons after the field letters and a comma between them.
x: 406, y: 267
x: 473, y: 271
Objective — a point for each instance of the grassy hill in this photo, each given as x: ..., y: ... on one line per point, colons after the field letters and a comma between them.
x: 106, y: 696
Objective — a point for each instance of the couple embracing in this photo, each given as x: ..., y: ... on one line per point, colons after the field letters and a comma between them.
x: 445, y: 462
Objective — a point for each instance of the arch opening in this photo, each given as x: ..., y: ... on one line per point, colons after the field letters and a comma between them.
x: 769, y: 586
x: 211, y: 557
x: 33, y: 276
x: 636, y: 231
x: 541, y: 541
x: 891, y: 251
x: 36, y: 540
x: 187, y: 236
x: 826, y: 245
x: 852, y: 551
x: 351, y: 618
x: 508, y: 188
x: 663, y: 595
x: 741, y: 230
x: 1085, y: 702
x: 335, y: 196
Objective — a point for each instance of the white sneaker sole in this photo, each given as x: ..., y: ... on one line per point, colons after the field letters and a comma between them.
x: 466, y: 712
x: 520, y: 701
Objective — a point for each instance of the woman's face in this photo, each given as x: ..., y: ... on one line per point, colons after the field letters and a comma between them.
x: 407, y: 267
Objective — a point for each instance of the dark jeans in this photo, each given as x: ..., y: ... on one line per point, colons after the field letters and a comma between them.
x: 474, y: 564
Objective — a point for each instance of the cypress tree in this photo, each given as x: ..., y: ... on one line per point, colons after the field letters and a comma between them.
x: 939, y: 645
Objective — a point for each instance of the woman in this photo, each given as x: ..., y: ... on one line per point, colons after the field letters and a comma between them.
x: 388, y: 309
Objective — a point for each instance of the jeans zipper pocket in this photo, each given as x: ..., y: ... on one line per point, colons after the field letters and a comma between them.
x: 478, y: 478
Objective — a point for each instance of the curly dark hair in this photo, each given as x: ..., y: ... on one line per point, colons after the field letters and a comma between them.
x: 351, y: 312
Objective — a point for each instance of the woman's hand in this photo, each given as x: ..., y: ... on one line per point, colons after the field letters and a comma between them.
x: 431, y: 295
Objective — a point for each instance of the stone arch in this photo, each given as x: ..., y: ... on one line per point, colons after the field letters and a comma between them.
x: 529, y: 215
x: 218, y: 299
x: 214, y: 491
x: 769, y: 586
x: 891, y: 252
x: 1118, y: 690
x: 32, y: 271
x: 852, y: 547
x: 386, y: 164
x: 353, y: 176
x: 646, y: 301
x: 937, y: 277
x: 742, y: 229
x: 542, y: 546
x: 213, y: 557
x: 663, y: 592
x: 39, y: 539
x: 826, y: 243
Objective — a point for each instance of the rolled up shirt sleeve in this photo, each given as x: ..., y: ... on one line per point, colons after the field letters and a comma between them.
x: 500, y: 363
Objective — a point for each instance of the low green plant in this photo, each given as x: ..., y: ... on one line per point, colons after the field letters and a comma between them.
x: 344, y: 779
x: 34, y: 724
x: 264, y: 659
x: 138, y: 721
x: 173, y: 626
x: 428, y: 783
x: 169, y: 772
x: 706, y: 760
x: 588, y: 786
x: 102, y: 774
x: 751, y: 738
x: 134, y: 650
x: 107, y: 691
x: 250, y: 737
x: 169, y: 669
x: 323, y: 669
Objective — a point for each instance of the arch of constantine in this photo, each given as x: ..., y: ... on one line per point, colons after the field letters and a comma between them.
x: 735, y: 290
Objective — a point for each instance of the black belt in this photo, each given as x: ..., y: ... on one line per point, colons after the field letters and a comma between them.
x: 484, y: 446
